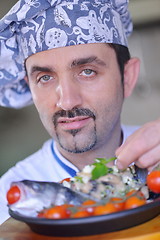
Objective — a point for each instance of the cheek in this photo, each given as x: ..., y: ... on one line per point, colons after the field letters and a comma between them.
x: 40, y: 104
x: 45, y: 107
x: 109, y: 92
x: 108, y: 103
x: 42, y: 99
x: 45, y: 114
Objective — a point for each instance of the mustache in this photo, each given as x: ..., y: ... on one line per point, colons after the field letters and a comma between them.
x: 75, y: 112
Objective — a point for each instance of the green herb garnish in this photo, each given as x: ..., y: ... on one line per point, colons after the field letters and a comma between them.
x: 78, y: 179
x: 100, y: 168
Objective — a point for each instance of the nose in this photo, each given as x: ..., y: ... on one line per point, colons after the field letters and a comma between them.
x: 68, y: 94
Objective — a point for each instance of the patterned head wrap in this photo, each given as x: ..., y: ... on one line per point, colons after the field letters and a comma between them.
x: 32, y: 26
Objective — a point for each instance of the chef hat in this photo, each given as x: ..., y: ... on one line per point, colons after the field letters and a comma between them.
x: 33, y: 26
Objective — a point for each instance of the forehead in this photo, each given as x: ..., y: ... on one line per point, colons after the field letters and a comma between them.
x: 70, y: 54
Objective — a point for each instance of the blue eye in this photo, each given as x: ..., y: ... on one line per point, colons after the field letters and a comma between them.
x: 88, y: 72
x: 45, y: 78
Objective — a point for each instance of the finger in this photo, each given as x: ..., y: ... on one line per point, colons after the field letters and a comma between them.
x: 124, y: 145
x: 149, y: 133
x: 150, y: 159
x: 142, y: 141
x: 129, y: 140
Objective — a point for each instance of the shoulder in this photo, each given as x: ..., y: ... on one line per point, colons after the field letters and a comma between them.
x: 29, y: 168
x: 43, y: 154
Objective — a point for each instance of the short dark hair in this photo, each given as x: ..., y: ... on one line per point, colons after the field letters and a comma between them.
x: 123, y: 55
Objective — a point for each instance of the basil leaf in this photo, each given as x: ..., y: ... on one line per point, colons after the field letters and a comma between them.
x: 104, y: 160
x: 99, y: 170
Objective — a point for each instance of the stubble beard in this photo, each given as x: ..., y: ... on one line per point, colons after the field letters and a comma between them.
x: 89, y: 141
x: 77, y: 141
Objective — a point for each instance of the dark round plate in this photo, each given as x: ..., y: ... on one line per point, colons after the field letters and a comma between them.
x: 91, y: 225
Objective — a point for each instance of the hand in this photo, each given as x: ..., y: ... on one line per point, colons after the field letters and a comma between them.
x: 142, y: 147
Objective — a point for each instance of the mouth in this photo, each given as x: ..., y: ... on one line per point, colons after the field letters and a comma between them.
x: 73, y: 123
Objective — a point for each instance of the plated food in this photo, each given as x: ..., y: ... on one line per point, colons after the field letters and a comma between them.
x: 99, y: 199
x: 96, y: 190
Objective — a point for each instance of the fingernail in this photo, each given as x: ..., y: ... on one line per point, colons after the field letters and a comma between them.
x: 119, y: 165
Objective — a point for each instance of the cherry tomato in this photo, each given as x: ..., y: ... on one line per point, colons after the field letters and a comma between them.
x: 137, y: 193
x: 57, y: 212
x: 134, y: 201
x: 81, y: 213
x: 41, y: 214
x: 65, y: 179
x: 131, y: 193
x: 89, y: 202
x: 89, y: 206
x: 13, y: 194
x: 118, y: 203
x: 105, y: 209
x: 153, y: 181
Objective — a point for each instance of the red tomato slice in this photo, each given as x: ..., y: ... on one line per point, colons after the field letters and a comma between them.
x: 13, y: 194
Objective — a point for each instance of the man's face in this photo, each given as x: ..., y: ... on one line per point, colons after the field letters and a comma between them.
x: 78, y: 93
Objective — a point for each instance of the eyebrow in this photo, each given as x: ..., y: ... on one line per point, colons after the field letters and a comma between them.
x: 40, y: 69
x: 92, y: 59
x: 76, y: 62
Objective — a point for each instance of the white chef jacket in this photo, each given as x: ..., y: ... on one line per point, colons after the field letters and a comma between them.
x: 47, y: 164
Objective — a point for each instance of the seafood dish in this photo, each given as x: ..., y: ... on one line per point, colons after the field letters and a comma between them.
x: 95, y: 190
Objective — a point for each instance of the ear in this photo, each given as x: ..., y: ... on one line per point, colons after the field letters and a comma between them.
x: 131, y: 73
x: 26, y: 79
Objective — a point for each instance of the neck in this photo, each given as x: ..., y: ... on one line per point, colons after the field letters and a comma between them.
x: 102, y: 150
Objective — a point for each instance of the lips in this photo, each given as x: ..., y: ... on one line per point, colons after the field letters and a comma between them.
x: 73, y: 123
